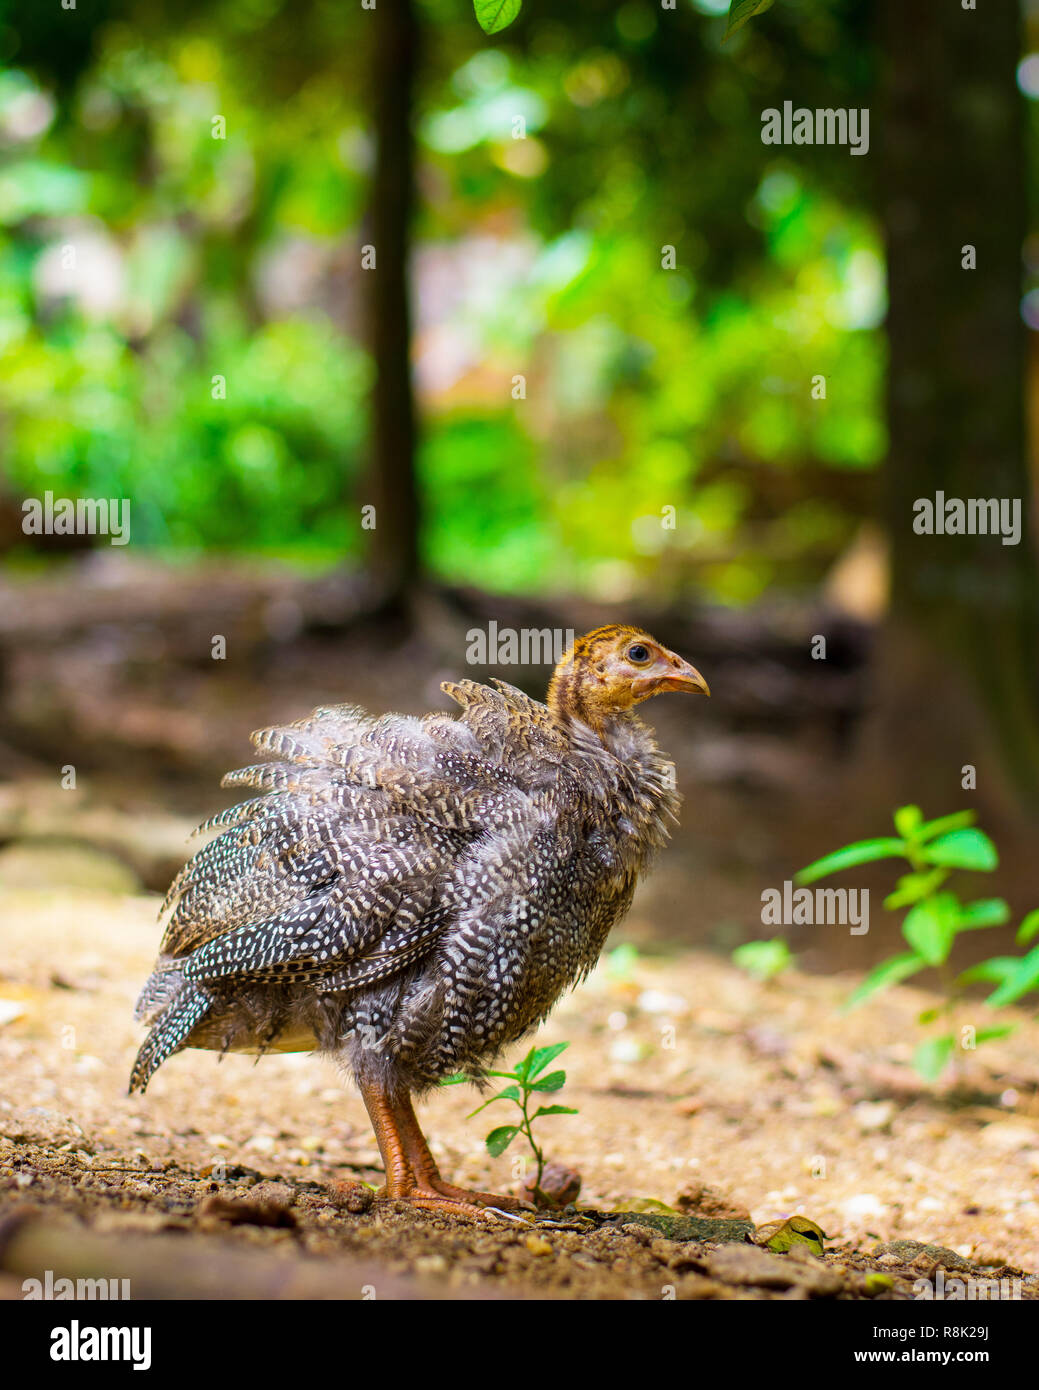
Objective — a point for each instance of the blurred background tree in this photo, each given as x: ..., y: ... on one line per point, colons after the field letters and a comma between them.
x: 964, y: 618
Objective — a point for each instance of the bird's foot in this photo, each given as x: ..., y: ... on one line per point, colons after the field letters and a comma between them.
x: 458, y: 1201
x: 514, y: 1205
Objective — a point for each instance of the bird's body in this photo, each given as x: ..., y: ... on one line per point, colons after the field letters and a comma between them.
x: 412, y: 895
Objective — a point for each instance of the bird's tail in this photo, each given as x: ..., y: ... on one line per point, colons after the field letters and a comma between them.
x: 161, y: 988
x: 187, y: 1006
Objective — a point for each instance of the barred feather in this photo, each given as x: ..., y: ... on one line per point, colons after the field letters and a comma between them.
x: 168, y: 1033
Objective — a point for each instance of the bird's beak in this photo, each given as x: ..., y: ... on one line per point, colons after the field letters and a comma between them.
x: 670, y: 672
x: 682, y: 676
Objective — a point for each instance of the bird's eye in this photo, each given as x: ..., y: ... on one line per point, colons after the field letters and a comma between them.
x: 638, y: 653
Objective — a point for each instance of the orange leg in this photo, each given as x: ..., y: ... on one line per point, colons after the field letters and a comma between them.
x: 426, y: 1171
x: 411, y: 1171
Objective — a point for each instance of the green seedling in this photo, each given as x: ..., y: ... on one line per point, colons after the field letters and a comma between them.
x: 763, y: 959
x: 527, y: 1082
x: 935, y: 919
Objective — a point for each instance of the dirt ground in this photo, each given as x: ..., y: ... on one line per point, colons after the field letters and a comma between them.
x: 704, y: 1096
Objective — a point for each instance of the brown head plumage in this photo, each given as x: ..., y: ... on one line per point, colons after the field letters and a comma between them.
x: 612, y: 669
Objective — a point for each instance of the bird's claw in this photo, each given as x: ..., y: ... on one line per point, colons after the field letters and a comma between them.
x: 524, y: 1218
x: 454, y: 1206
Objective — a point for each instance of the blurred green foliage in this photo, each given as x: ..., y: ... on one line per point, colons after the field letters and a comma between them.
x: 936, y: 919
x: 208, y: 165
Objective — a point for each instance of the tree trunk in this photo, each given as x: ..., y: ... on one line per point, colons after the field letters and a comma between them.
x: 391, y: 484
x: 958, y: 671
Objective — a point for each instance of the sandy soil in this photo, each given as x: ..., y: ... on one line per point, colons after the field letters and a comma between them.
x: 699, y: 1090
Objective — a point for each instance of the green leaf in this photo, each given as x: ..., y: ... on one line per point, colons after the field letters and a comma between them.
x: 539, y: 1058
x: 932, y: 1057
x: 796, y: 1230
x: 740, y: 11
x: 1002, y: 1030
x: 928, y: 1015
x: 888, y: 972
x: 523, y: 1067
x: 554, y: 1110
x: 985, y: 912
x: 510, y: 1093
x: 495, y: 15
x: 912, y: 887
x: 908, y: 820
x: 554, y: 1081
x: 962, y: 849
x: 458, y: 1079
x: 1022, y: 980
x: 992, y: 971
x: 1028, y: 928
x: 862, y: 852
x: 499, y: 1139
x: 763, y: 959
x: 956, y: 821
x: 650, y: 1206
x: 930, y: 927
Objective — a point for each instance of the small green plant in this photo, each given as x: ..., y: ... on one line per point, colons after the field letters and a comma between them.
x: 621, y: 963
x: 526, y: 1082
x: 763, y: 959
x: 1015, y: 976
x: 935, y: 918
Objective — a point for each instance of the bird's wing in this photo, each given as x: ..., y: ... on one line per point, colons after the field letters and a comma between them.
x: 334, y: 870
x: 520, y: 928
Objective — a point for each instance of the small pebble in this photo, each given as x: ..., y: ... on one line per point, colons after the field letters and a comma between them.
x: 873, y: 1115
x: 537, y: 1245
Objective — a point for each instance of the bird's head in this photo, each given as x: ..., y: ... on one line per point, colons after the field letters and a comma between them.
x: 614, y: 668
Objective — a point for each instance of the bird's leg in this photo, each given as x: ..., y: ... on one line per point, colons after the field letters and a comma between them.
x: 384, y: 1122
x: 401, y: 1142
x: 424, y: 1166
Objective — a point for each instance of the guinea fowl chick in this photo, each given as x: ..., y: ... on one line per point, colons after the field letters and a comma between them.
x: 412, y: 895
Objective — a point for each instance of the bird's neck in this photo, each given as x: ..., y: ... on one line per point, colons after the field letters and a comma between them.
x: 576, y: 721
x: 572, y: 699
x: 620, y: 766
